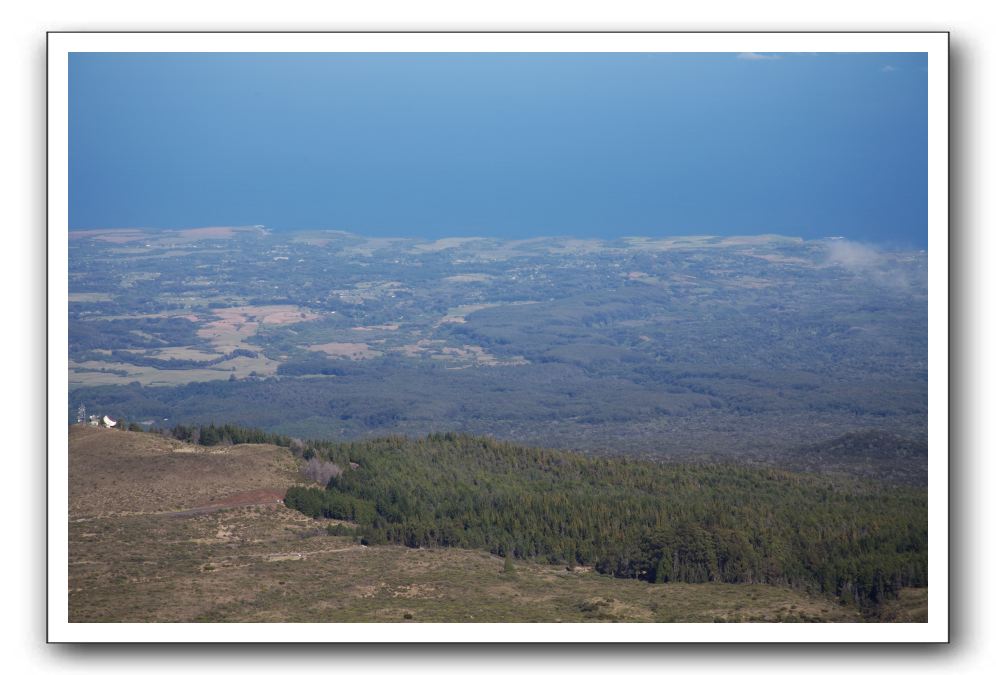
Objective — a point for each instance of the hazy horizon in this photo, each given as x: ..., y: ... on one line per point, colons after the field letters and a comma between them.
x: 503, y: 145
x: 217, y: 231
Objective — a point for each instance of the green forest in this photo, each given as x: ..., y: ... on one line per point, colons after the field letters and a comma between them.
x: 859, y: 541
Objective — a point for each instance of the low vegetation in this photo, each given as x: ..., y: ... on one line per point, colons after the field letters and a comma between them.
x: 256, y: 564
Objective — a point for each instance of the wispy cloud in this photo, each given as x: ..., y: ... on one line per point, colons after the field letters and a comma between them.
x: 875, y: 265
x: 754, y: 56
x: 853, y: 255
x: 889, y: 69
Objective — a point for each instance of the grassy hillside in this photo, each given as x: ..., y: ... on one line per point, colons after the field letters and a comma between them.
x: 141, y: 549
x: 118, y: 472
x: 259, y: 564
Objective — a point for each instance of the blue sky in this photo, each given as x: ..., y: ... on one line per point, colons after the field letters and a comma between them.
x: 514, y: 145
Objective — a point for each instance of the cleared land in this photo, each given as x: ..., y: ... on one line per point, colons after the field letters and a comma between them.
x: 163, y: 531
x: 346, y: 350
x: 114, y: 473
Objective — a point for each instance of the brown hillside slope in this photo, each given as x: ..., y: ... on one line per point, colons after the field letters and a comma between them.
x: 133, y: 558
x: 116, y: 472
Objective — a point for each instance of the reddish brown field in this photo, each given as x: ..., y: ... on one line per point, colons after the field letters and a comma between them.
x: 235, y: 324
x: 118, y: 472
x: 122, y: 236
x: 212, y: 232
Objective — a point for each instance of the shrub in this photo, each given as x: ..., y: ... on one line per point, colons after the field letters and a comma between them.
x: 320, y: 471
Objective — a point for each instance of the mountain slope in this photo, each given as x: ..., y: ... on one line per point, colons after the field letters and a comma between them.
x: 264, y: 562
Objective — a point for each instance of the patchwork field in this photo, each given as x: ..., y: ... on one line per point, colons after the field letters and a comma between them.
x: 653, y: 346
x: 234, y: 324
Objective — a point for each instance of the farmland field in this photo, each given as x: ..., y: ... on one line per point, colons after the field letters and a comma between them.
x: 666, y: 346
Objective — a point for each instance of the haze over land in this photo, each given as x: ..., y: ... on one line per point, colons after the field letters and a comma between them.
x: 608, y: 251
x: 686, y: 344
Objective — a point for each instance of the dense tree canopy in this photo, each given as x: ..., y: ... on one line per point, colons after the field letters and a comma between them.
x: 225, y: 434
x: 659, y: 522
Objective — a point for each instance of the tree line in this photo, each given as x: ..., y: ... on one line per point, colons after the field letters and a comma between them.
x: 857, y: 540
x: 224, y: 434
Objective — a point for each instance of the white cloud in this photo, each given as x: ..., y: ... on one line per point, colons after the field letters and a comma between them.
x: 852, y: 255
x: 754, y: 56
x: 889, y: 69
x: 879, y: 267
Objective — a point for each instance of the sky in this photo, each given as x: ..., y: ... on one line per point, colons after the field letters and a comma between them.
x: 503, y: 145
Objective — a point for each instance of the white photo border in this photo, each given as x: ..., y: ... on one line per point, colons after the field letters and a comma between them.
x: 934, y: 44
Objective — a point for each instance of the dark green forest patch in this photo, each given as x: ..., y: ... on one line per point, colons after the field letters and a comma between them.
x: 857, y: 541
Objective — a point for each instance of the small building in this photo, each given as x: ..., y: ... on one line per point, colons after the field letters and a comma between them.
x: 101, y: 421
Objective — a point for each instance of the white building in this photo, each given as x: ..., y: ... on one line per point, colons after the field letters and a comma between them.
x: 101, y: 421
